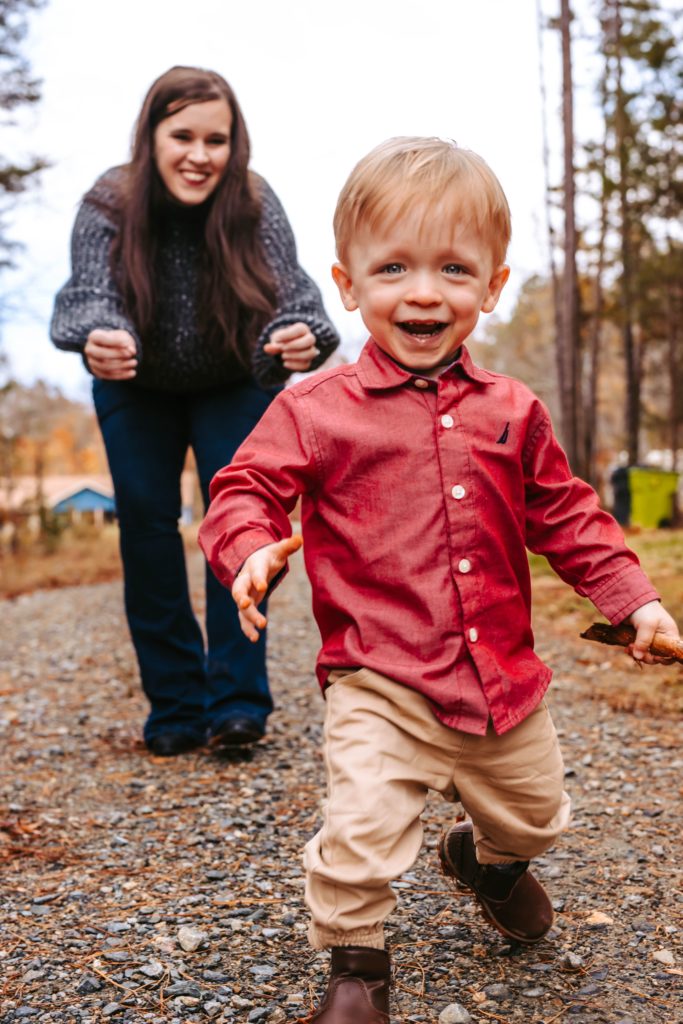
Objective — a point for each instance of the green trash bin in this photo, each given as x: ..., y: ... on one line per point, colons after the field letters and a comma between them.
x: 652, y: 494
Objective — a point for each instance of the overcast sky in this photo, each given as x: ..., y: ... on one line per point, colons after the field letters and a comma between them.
x: 320, y: 83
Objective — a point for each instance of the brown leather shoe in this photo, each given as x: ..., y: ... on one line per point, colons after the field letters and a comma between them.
x: 358, y: 990
x: 513, y: 901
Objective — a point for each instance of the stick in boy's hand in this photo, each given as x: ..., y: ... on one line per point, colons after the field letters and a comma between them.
x: 648, y: 620
x: 662, y: 646
x: 251, y: 582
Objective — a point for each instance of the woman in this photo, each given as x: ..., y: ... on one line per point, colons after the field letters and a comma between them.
x: 190, y: 310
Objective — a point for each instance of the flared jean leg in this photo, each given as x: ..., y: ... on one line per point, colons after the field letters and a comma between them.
x: 236, y: 676
x: 146, y: 439
x: 237, y: 681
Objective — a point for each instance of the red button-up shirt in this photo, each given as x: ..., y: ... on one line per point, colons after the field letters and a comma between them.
x: 419, y: 500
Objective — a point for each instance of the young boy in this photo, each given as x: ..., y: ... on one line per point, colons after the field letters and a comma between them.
x: 423, y: 479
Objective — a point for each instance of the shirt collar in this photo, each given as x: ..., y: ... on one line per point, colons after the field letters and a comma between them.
x: 376, y: 371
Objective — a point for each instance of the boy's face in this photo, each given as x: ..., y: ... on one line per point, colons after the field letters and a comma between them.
x: 420, y: 285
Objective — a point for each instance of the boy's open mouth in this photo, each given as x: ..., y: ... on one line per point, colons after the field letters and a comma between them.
x: 422, y: 328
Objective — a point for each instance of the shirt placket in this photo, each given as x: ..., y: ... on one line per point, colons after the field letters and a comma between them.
x: 460, y: 503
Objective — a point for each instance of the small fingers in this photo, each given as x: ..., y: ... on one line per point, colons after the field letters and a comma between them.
x: 291, y: 333
x: 295, y: 343
x: 111, y: 343
x: 640, y: 648
x: 298, y: 362
x: 113, y: 370
x: 249, y: 628
x: 250, y: 618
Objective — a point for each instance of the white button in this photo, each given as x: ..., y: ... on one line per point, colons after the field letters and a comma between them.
x: 473, y: 634
x: 447, y: 421
x: 458, y: 492
x: 421, y: 383
x: 464, y: 565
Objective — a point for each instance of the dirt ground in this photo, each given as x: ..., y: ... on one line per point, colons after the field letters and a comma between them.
x: 140, y: 889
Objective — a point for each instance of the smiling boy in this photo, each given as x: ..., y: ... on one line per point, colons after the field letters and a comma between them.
x: 424, y: 479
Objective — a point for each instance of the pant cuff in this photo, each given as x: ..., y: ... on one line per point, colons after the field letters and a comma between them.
x: 325, y: 938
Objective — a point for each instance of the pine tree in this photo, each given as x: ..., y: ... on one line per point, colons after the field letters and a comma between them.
x: 17, y: 89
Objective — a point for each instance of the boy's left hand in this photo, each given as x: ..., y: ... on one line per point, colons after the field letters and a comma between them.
x: 649, y: 619
x: 295, y: 345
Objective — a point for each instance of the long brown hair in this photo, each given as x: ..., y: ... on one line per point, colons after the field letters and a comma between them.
x: 237, y: 294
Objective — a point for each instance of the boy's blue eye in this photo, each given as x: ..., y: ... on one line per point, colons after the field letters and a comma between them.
x: 392, y: 268
x: 454, y: 268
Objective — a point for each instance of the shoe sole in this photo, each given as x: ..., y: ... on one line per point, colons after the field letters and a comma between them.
x: 449, y: 871
x: 229, y: 743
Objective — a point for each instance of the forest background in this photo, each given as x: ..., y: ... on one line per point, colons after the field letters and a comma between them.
x: 598, y: 335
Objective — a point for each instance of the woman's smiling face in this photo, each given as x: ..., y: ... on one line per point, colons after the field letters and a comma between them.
x: 192, y: 150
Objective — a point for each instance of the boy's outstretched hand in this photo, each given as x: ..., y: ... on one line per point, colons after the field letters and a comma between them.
x: 253, y: 579
x: 649, y: 619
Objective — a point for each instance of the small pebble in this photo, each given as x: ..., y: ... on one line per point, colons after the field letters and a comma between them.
x: 454, y: 1013
x: 191, y: 939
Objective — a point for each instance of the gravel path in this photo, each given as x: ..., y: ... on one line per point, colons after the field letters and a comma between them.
x: 143, y: 889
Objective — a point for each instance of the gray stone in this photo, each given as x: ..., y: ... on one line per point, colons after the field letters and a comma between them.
x: 497, y: 992
x: 191, y: 938
x: 34, y: 975
x: 454, y: 1013
x: 184, y: 988
x: 153, y: 969
x: 88, y: 984
x: 215, y: 976
x: 262, y: 971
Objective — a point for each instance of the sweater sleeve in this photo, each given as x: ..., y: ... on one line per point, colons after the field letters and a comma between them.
x: 90, y: 298
x: 299, y: 299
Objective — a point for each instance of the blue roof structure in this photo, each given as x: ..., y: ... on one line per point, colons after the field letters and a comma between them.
x: 86, y: 499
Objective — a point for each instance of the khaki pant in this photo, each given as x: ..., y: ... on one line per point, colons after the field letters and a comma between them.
x: 384, y: 749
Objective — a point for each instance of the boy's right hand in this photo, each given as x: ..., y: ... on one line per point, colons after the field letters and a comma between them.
x: 253, y: 579
x: 111, y: 355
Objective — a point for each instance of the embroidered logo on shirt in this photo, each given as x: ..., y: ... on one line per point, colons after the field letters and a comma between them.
x: 504, y: 436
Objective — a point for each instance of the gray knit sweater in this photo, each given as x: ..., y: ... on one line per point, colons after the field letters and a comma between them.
x: 178, y: 359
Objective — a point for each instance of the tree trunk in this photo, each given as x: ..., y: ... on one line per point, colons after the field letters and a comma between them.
x: 550, y: 230
x: 674, y: 346
x: 631, y: 354
x: 569, y: 340
x: 590, y: 410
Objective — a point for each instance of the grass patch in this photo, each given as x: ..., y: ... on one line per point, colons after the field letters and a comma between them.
x: 611, y: 677
x: 661, y: 556
x: 78, y: 557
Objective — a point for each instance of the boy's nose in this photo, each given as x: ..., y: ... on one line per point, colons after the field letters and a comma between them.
x: 424, y: 290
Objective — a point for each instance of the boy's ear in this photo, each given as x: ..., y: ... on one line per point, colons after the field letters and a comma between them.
x: 342, y: 279
x: 496, y: 285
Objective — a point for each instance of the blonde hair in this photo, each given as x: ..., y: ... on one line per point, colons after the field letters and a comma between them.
x: 411, y: 172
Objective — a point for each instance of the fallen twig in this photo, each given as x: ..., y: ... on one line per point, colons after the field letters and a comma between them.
x: 622, y: 636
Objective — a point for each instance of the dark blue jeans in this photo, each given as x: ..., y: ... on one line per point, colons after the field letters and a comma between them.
x: 191, y: 687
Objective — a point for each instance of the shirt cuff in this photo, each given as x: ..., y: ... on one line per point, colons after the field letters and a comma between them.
x: 620, y: 596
